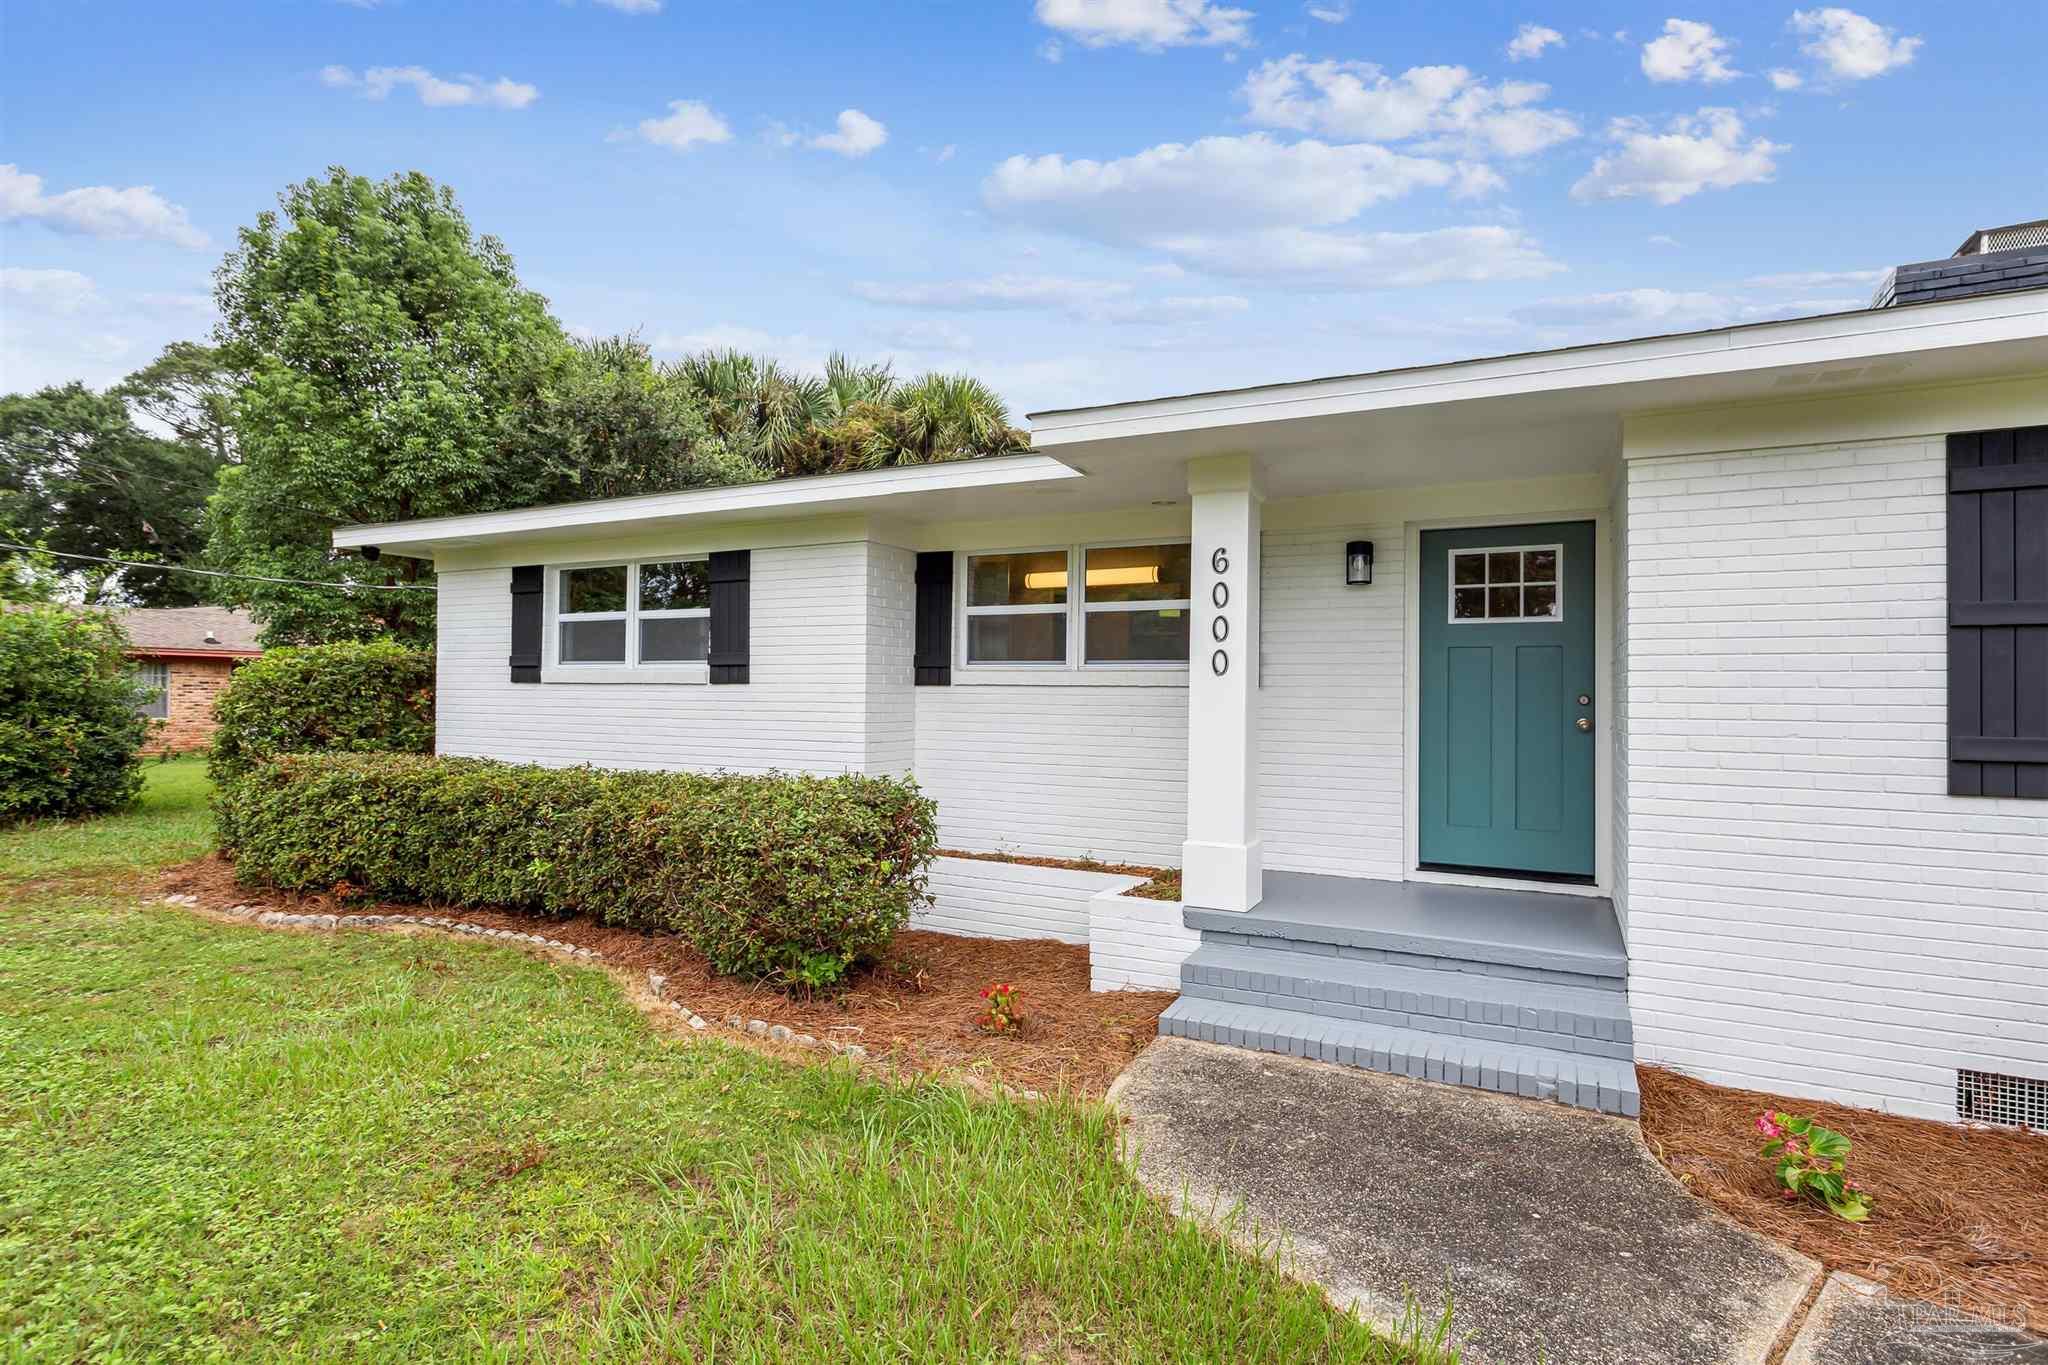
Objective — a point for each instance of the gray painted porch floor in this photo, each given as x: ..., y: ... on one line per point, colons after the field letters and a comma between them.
x: 1536, y: 929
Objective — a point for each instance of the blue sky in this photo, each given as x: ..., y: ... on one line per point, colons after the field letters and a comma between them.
x: 1080, y: 200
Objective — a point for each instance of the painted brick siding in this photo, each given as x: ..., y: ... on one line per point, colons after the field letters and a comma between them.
x: 1051, y: 770
x: 189, y: 723
x: 804, y: 710
x: 1618, y: 705
x: 1809, y: 911
x: 1331, y: 678
x: 892, y: 647
x: 1013, y: 900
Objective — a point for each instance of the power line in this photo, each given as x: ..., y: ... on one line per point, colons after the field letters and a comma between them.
x: 218, y: 573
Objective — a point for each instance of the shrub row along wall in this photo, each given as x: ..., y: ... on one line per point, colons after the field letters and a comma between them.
x: 792, y: 878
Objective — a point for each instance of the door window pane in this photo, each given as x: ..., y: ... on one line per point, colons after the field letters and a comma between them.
x: 1539, y: 599
x: 1522, y: 584
x: 1138, y: 573
x: 594, y: 642
x: 675, y: 585
x: 1023, y: 637
x: 602, y: 589
x: 1026, y: 580
x: 1504, y: 566
x: 1539, y: 566
x: 1117, y: 637
x: 674, y: 639
x: 1470, y: 568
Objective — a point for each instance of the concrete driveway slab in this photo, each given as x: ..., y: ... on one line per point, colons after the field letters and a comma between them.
x: 1855, y: 1322
x: 1556, y: 1236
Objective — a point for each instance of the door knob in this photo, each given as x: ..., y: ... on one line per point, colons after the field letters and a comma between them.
x: 1584, y: 723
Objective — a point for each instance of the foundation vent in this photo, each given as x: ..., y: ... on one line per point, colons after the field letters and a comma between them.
x: 2007, y: 1101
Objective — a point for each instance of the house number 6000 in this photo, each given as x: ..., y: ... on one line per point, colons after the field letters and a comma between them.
x: 1219, y: 627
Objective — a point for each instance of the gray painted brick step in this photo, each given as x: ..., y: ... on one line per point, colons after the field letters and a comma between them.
x: 1599, y: 1083
x: 1506, y: 1009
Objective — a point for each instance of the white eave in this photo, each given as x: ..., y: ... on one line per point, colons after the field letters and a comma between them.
x: 1663, y: 371
x: 941, y: 489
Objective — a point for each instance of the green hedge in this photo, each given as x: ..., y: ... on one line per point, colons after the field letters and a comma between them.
x: 69, y: 730
x: 354, y: 698
x: 788, y: 878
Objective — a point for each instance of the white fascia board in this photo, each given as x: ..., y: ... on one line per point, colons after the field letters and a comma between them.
x: 780, y: 498
x: 1861, y: 335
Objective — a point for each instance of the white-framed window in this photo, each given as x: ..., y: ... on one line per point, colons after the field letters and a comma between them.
x: 1507, y: 583
x: 646, y: 613
x: 155, y: 675
x: 1133, y: 609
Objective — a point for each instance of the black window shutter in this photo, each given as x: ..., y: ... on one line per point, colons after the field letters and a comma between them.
x: 934, y: 656
x: 1998, y: 613
x: 528, y: 583
x: 731, y: 613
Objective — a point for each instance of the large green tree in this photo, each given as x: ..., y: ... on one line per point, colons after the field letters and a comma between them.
x: 379, y: 344
x: 79, y: 476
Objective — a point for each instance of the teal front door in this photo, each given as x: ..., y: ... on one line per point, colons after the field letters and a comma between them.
x: 1507, y: 737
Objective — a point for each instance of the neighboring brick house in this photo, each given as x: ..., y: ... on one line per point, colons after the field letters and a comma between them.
x: 186, y: 653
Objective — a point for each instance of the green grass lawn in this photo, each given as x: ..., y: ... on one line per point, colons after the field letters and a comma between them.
x: 226, y: 1142
x: 170, y: 824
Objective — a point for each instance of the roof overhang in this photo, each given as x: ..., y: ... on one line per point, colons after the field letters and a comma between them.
x: 151, y: 652
x: 1543, y: 414
x: 929, y: 492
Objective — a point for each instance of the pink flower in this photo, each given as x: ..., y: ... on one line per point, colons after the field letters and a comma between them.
x: 1767, y: 1126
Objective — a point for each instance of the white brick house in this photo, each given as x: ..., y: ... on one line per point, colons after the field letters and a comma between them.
x: 1695, y: 712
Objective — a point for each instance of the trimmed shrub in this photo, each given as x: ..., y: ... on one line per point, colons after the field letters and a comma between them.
x: 354, y: 698
x: 69, y: 730
x: 784, y: 877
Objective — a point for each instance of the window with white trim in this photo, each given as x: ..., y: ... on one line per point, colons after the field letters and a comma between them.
x: 156, y: 676
x: 1507, y: 583
x: 1133, y: 608
x: 648, y: 613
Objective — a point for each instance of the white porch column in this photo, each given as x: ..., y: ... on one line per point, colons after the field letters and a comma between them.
x: 1221, y: 862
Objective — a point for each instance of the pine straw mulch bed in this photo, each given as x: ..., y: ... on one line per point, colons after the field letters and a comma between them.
x: 916, y: 1008
x: 1962, y: 1213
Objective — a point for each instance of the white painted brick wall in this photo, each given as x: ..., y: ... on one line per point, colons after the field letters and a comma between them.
x: 1809, y: 910
x: 1332, y: 678
x: 804, y: 710
x: 1618, y: 706
x: 892, y: 710
x: 1013, y: 900
x: 1056, y: 771
x: 1136, y: 944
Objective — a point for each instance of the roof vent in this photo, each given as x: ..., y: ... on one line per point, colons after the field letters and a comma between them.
x: 211, y: 638
x: 1990, y: 261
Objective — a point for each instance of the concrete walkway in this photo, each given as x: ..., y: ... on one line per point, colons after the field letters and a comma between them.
x: 1556, y: 1235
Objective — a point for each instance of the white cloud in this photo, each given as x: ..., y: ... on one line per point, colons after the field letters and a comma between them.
x: 1253, y: 207
x: 857, y: 135
x: 435, y: 92
x: 51, y: 291
x: 1636, y: 311
x: 688, y: 123
x: 1328, y: 11
x: 1813, y: 279
x: 1222, y: 183
x: 1661, y: 239
x: 1148, y: 24
x: 137, y: 213
x: 797, y: 350
x: 1443, y: 106
x: 1089, y: 299
x: 633, y: 6
x: 1703, y: 151
x: 1051, y: 51
x: 1476, y: 180
x: 1688, y: 51
x: 1783, y: 79
x: 1850, y: 47
x: 1530, y: 40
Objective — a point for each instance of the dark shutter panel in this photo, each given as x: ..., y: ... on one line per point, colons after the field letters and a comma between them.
x: 934, y: 657
x: 528, y: 583
x: 1998, y: 613
x: 731, y: 613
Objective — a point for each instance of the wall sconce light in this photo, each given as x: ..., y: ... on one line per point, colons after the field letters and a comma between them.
x: 1358, y: 563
